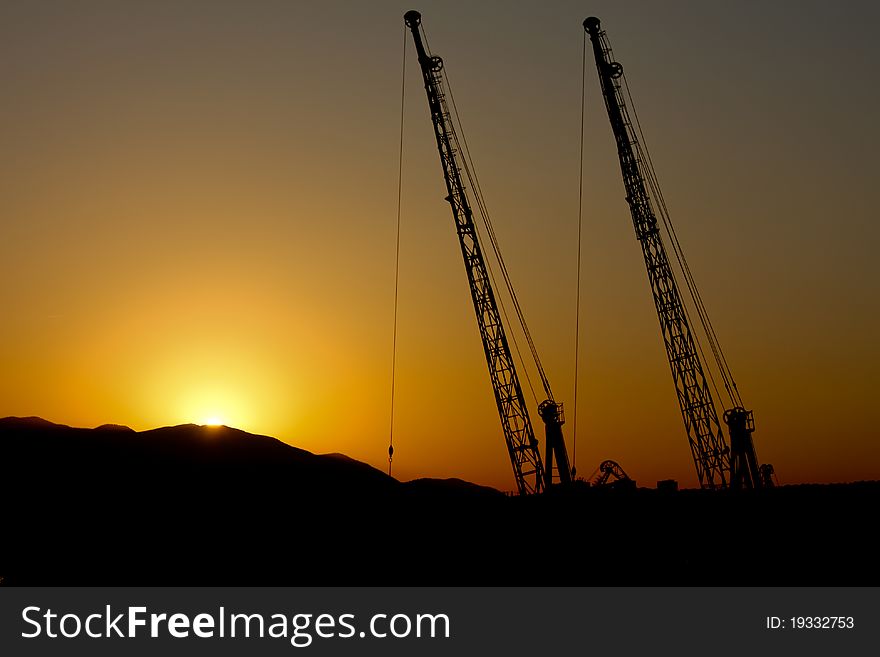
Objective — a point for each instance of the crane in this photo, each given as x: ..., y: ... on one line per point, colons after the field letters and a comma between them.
x: 717, y: 465
x: 532, y: 474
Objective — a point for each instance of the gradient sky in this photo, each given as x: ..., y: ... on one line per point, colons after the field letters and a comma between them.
x: 198, y: 204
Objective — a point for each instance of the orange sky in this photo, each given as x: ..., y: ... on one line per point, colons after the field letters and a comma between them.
x: 198, y: 217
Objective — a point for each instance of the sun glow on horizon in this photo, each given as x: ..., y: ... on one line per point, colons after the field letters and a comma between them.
x: 216, y: 404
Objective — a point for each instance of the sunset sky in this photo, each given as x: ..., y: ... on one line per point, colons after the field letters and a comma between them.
x: 198, y: 211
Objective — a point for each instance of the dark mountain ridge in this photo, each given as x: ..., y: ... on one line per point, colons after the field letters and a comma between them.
x: 114, y: 448
x: 191, y: 504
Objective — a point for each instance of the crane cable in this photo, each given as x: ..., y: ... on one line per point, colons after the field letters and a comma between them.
x: 646, y: 165
x: 646, y: 168
x: 470, y: 173
x: 690, y: 281
x: 468, y: 166
x: 397, y: 258
x: 577, y: 314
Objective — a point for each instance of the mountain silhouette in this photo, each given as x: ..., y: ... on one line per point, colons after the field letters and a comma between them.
x: 114, y: 427
x: 113, y: 451
x: 183, y: 503
x: 206, y: 505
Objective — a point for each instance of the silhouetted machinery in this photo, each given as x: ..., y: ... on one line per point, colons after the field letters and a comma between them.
x: 718, y: 466
x: 768, y: 476
x: 610, y: 474
x: 532, y: 474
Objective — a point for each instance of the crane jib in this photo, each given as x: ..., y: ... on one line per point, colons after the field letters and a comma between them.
x: 717, y: 464
x: 532, y: 474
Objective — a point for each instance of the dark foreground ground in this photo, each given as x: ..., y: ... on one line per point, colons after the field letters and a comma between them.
x: 196, y: 505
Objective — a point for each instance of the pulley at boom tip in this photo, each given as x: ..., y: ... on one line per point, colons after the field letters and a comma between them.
x: 412, y: 18
x: 591, y: 24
